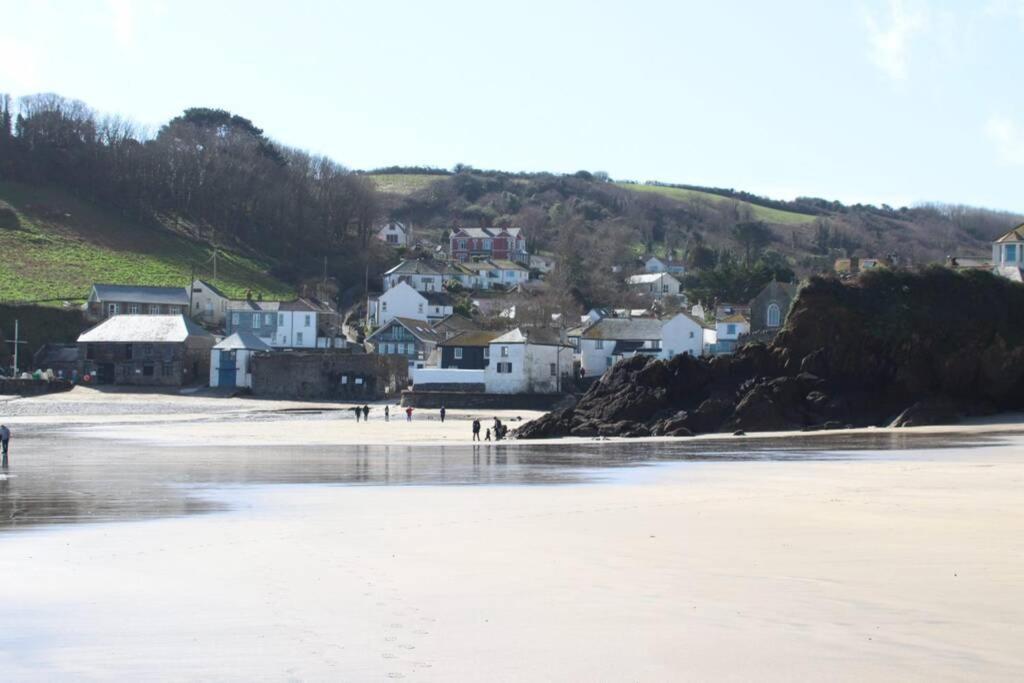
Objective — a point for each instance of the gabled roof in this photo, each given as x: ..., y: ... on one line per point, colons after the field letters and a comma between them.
x: 482, y: 233
x: 455, y: 322
x: 418, y: 328
x: 56, y: 353
x: 210, y: 287
x: 1015, y: 235
x: 472, y: 338
x: 505, y: 264
x: 625, y: 329
x: 417, y: 267
x: 648, y: 278
x: 438, y: 298
x: 530, y: 335
x: 305, y: 304
x: 175, y: 296
x: 734, y: 318
x: 253, y: 305
x: 144, y: 328
x: 242, y: 340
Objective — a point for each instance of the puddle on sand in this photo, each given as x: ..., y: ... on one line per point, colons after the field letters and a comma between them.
x: 57, y: 480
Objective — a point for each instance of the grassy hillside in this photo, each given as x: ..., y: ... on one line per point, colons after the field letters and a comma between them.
x: 57, y: 246
x: 402, y: 183
x: 762, y: 213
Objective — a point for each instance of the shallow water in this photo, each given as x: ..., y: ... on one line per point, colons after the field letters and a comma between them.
x: 57, y: 480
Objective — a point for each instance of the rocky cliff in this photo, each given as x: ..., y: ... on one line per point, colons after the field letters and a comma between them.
x: 890, y: 348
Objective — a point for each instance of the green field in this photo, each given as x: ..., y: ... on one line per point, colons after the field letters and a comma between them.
x: 402, y: 183
x: 61, y: 246
x: 762, y: 213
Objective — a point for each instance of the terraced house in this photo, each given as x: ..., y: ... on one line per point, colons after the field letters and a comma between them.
x: 304, y: 323
x: 106, y: 301
x: 488, y: 243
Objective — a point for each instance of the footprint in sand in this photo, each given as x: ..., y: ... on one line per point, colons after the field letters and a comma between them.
x: 390, y: 639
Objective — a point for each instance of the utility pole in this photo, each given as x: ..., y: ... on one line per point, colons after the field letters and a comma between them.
x: 16, y: 342
x: 191, y: 287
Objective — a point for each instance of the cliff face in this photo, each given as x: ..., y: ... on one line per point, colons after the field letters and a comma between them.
x: 892, y: 347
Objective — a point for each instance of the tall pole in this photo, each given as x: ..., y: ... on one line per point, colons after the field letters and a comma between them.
x: 16, y: 347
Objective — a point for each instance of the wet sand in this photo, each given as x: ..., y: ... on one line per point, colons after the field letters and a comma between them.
x: 846, y: 557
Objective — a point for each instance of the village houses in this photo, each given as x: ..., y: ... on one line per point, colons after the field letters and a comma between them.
x: 602, y: 344
x: 1008, y: 254
x: 420, y: 274
x: 304, y: 323
x: 231, y: 360
x: 655, y: 264
x: 402, y: 301
x: 414, y: 339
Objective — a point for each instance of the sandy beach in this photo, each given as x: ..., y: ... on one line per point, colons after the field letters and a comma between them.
x: 903, y: 564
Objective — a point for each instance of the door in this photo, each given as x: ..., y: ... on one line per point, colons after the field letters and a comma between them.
x: 227, y: 369
x: 105, y: 373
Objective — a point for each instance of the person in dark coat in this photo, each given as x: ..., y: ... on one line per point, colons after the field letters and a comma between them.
x: 443, y: 412
x: 476, y: 430
x: 366, y: 412
x: 5, y: 438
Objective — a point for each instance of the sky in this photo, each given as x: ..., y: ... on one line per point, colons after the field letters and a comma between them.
x: 880, y: 101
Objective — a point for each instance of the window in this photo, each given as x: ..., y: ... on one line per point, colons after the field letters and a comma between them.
x: 487, y: 353
x: 268, y: 319
x: 147, y: 350
x: 167, y: 369
x: 255, y: 320
x: 401, y: 349
x: 504, y: 368
x: 504, y: 352
x: 554, y: 370
x: 774, y: 315
x: 154, y: 309
x: 234, y: 318
x: 298, y: 338
x: 280, y: 319
x: 90, y: 352
x: 133, y: 309
x: 462, y: 244
x: 599, y: 344
x: 664, y: 289
x: 308, y: 319
x: 1011, y: 252
x: 419, y: 308
x: 174, y: 310
x: 147, y: 370
x: 730, y: 329
x: 691, y: 335
x: 129, y: 351
x: 111, y: 309
x: 384, y: 306
x: 458, y: 352
x: 487, y: 245
x: 393, y: 239
x: 608, y: 361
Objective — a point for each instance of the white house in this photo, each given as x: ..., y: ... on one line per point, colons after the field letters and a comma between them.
x: 607, y: 341
x: 209, y: 304
x: 1008, y: 254
x: 420, y: 274
x: 487, y: 274
x: 527, y: 361
x: 300, y: 324
x: 659, y: 265
x: 728, y: 331
x: 655, y: 285
x: 231, y: 360
x: 402, y: 301
x: 394, y: 233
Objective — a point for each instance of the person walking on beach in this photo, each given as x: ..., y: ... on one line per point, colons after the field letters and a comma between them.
x: 366, y: 412
x: 356, y: 411
x: 443, y: 411
x: 387, y: 413
x: 5, y: 437
x: 476, y: 430
x: 487, y: 436
x: 408, y: 414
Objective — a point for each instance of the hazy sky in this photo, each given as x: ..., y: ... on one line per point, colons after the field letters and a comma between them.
x: 879, y: 101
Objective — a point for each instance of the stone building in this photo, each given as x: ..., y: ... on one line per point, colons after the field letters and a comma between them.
x: 147, y: 350
x: 328, y: 374
x: 768, y: 310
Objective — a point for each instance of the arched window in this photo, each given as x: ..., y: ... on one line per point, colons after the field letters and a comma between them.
x: 774, y: 314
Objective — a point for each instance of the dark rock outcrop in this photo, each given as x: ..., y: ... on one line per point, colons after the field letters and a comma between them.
x: 892, y: 347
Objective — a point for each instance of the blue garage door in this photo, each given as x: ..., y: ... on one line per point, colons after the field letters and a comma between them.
x: 226, y: 370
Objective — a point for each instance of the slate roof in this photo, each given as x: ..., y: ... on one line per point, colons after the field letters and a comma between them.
x: 242, y: 340
x: 624, y: 329
x: 1015, y: 235
x: 56, y: 353
x: 253, y: 305
x: 472, y: 338
x: 175, y: 296
x: 211, y: 287
x: 418, y: 328
x: 482, y: 233
x: 530, y: 335
x: 648, y: 278
x: 144, y: 328
x: 416, y: 267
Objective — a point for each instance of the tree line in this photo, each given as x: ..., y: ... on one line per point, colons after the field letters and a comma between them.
x: 208, y: 171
